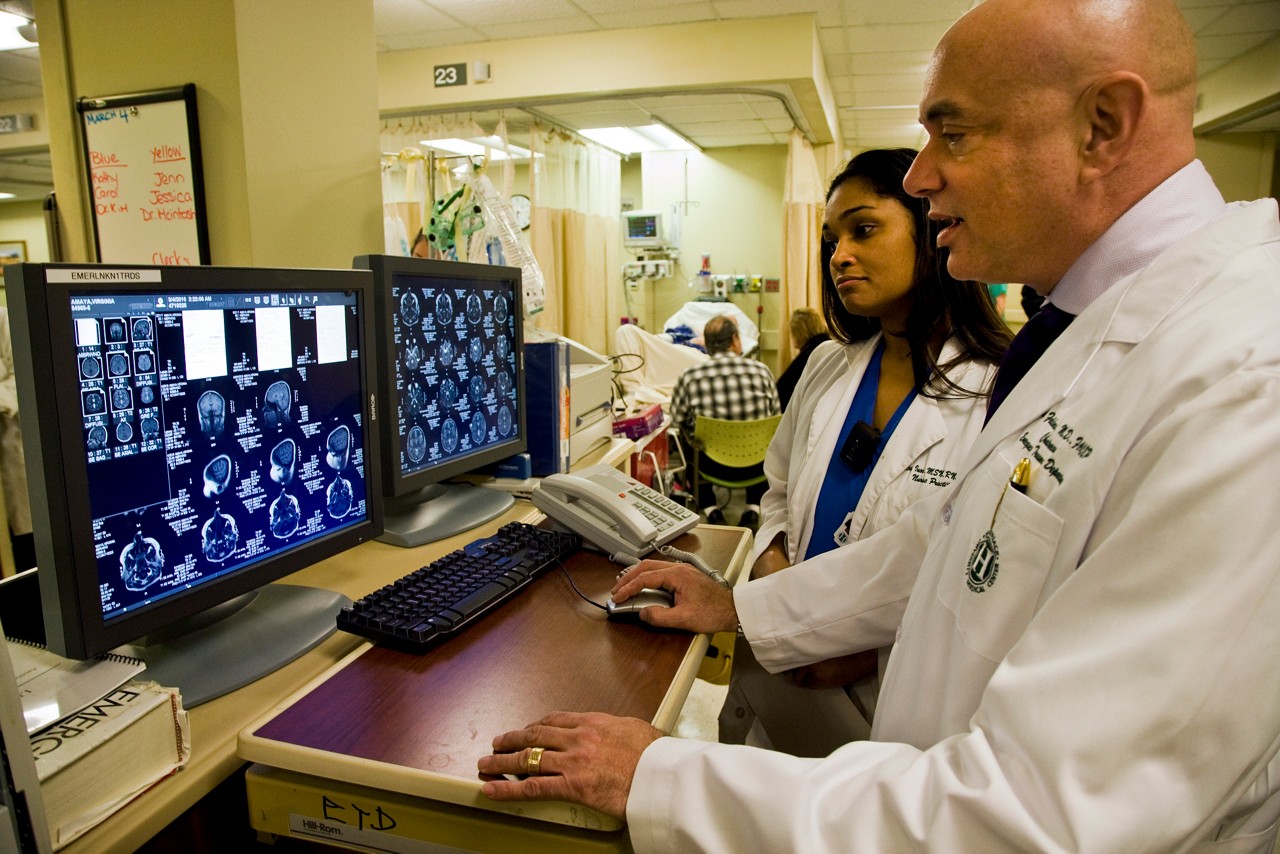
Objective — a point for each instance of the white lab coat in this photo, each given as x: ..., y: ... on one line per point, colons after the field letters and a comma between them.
x: 922, y: 455
x: 1116, y: 684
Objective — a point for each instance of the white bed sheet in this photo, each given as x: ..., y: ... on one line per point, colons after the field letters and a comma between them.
x: 653, y: 380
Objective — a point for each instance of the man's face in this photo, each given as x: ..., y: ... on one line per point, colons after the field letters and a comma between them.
x: 999, y: 168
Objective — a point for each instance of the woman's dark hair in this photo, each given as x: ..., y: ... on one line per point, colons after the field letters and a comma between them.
x: 941, y: 306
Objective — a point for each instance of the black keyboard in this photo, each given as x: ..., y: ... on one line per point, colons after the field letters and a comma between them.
x: 431, y: 604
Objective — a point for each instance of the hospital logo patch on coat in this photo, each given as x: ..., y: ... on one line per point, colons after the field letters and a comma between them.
x: 984, y: 563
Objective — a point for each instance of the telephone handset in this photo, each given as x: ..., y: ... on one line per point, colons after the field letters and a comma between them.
x: 611, y: 511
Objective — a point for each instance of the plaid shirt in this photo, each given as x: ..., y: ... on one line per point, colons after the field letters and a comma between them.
x: 725, y: 386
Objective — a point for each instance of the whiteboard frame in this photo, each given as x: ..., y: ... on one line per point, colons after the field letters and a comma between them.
x: 187, y: 93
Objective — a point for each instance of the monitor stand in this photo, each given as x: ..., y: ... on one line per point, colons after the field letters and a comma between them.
x: 227, y: 647
x: 439, y: 511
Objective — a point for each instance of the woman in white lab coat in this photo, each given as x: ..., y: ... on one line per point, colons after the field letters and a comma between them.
x: 881, y: 418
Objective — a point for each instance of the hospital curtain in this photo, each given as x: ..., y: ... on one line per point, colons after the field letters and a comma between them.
x: 802, y: 204
x: 575, y: 190
x: 405, y: 206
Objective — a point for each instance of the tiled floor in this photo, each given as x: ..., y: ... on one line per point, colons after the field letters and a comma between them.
x: 701, y: 709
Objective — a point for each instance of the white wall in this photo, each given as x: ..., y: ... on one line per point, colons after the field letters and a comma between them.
x: 24, y: 221
x: 1241, y: 163
x: 731, y: 209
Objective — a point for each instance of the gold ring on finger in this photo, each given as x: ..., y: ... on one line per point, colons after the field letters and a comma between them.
x: 533, y: 765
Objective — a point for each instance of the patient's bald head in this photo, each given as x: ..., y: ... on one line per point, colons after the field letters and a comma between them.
x: 721, y: 335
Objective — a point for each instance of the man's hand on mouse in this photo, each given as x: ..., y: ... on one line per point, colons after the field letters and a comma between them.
x: 701, y: 605
x: 587, y: 758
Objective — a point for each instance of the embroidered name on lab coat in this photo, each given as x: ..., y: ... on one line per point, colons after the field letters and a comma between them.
x: 932, y: 476
x: 1054, y: 445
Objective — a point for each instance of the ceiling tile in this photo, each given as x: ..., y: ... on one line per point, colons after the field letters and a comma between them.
x: 769, y: 109
x: 582, y: 108
x: 842, y: 87
x: 725, y: 128
x: 646, y: 16
x: 1221, y: 47
x: 828, y: 12
x: 834, y: 41
x: 1246, y: 18
x: 1203, y: 16
x: 480, y: 14
x: 864, y: 12
x: 917, y: 37
x: 897, y: 61
x: 706, y: 113
x: 21, y: 67
x: 618, y: 118
x: 735, y: 139
x: 683, y: 99
x: 414, y: 16
x: 432, y: 39
x: 518, y: 29
x: 598, y: 7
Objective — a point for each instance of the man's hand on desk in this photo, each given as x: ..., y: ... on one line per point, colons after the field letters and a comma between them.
x: 701, y: 604
x: 586, y: 758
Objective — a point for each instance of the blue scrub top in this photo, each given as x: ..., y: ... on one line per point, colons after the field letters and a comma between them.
x: 842, y: 487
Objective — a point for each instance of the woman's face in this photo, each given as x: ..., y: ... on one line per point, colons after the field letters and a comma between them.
x: 873, y: 253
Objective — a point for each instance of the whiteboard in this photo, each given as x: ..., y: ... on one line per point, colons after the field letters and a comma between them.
x: 142, y: 158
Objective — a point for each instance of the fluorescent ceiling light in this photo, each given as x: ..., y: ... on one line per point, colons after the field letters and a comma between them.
x: 9, y: 37
x: 477, y: 146
x: 7, y: 196
x: 634, y: 140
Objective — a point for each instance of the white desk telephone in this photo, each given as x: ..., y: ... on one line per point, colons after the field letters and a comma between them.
x: 611, y: 511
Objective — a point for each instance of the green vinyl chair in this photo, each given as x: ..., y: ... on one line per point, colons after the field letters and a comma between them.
x: 737, y: 444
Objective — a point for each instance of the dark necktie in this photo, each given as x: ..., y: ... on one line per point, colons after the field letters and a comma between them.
x: 1027, y: 346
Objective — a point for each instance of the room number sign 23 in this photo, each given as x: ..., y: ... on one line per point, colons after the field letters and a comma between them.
x: 451, y: 75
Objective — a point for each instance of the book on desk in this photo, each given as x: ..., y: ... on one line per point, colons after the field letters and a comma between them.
x: 97, y: 738
x: 97, y: 760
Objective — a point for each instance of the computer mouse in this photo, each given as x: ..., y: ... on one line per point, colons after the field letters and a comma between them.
x: 630, y: 609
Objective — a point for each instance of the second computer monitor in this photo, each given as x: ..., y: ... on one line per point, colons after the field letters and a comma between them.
x: 451, y: 384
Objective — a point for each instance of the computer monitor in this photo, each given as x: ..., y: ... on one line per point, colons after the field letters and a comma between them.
x: 191, y: 434
x: 451, y: 388
x: 644, y: 230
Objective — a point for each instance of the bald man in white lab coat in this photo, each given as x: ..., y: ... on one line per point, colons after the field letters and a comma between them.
x: 1088, y: 645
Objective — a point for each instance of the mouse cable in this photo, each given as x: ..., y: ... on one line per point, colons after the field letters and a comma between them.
x: 573, y: 584
x: 693, y: 560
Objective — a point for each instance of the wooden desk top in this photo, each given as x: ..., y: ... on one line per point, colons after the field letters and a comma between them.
x: 417, y: 724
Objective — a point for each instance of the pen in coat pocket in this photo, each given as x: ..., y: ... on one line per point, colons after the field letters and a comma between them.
x: 1021, y: 476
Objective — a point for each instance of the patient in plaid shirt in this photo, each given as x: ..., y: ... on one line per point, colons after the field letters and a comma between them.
x: 730, y: 387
